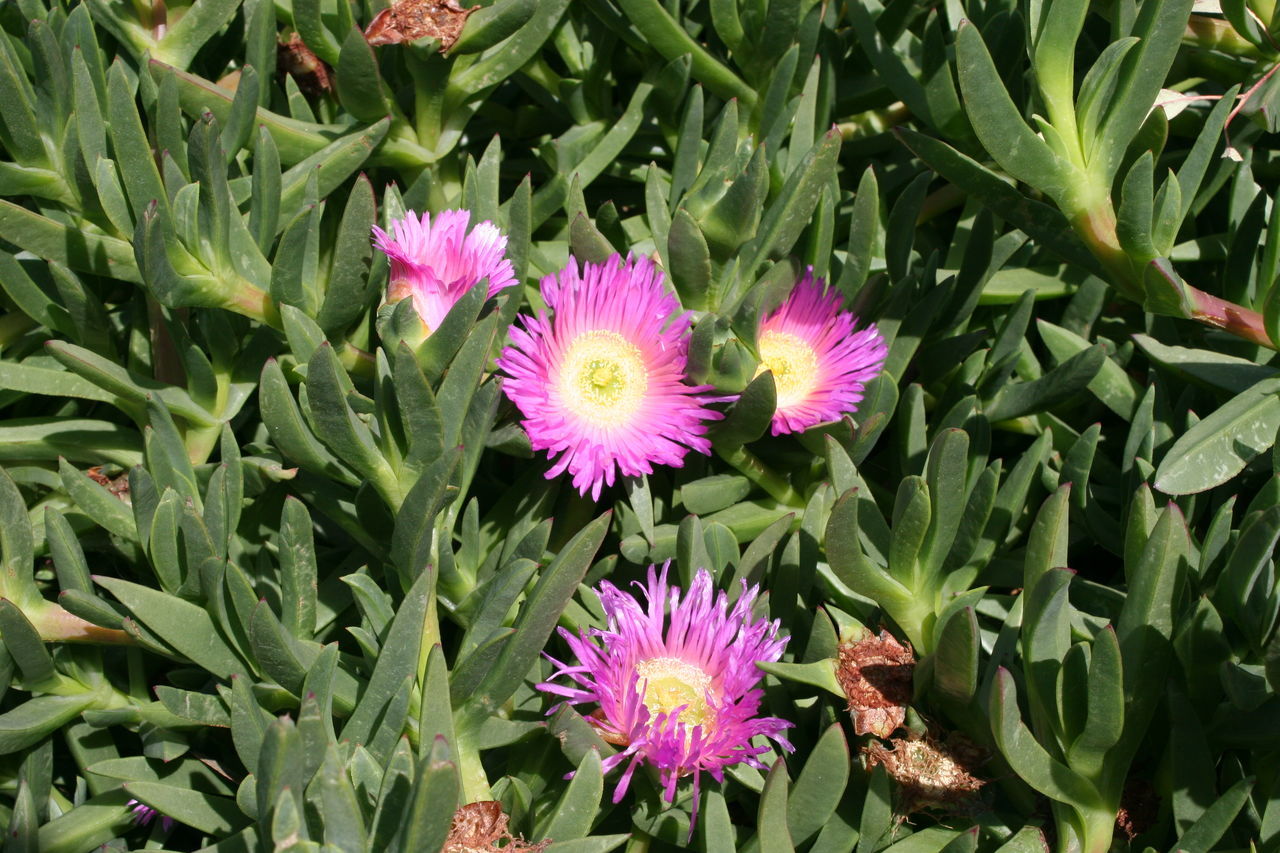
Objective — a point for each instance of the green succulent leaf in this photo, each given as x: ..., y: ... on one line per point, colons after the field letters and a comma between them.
x: 1217, y: 448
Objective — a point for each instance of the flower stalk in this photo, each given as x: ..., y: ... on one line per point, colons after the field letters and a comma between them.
x: 750, y: 466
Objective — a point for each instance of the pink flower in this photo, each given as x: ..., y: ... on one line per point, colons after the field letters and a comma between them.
x: 820, y: 364
x: 438, y: 262
x: 677, y: 689
x: 601, y: 383
x: 144, y: 814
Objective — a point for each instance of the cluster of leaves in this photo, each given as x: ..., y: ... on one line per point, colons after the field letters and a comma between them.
x: 282, y: 572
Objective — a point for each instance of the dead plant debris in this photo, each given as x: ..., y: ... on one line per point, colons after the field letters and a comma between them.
x: 481, y: 827
x: 118, y: 486
x: 875, y: 672
x: 410, y: 20
x: 308, y: 70
x: 930, y: 773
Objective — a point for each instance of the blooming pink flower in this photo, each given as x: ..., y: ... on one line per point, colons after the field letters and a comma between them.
x: 601, y: 383
x: 820, y: 364
x: 677, y: 689
x: 438, y: 262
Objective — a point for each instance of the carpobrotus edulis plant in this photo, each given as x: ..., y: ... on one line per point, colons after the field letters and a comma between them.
x: 940, y: 337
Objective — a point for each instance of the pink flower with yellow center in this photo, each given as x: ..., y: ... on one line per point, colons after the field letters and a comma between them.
x: 437, y: 261
x: 601, y: 382
x: 675, y: 679
x: 819, y: 363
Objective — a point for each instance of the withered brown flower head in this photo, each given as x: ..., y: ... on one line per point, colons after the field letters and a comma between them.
x: 930, y: 773
x: 308, y: 70
x: 410, y: 20
x: 875, y: 672
x: 480, y: 827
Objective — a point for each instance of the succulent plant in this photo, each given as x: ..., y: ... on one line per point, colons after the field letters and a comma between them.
x: 356, y: 358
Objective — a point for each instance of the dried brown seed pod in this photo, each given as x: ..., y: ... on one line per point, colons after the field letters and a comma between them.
x: 308, y: 70
x: 931, y: 774
x: 875, y: 672
x: 480, y: 827
x: 410, y: 20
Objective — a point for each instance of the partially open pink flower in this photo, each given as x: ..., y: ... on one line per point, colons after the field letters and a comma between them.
x: 819, y: 363
x: 601, y: 382
x: 678, y: 686
x: 144, y: 814
x: 437, y: 262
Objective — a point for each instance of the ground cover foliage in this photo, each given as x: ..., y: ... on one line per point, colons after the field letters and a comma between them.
x: 279, y: 568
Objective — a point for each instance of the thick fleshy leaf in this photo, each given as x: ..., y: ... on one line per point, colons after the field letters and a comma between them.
x: 538, y: 616
x: 1027, y: 757
x: 820, y: 785
x: 35, y: 719
x: 398, y: 661
x: 206, y: 812
x: 183, y: 625
x: 1218, y: 447
x: 576, y: 809
x: 428, y: 813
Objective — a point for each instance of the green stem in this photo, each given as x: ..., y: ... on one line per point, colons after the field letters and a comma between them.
x: 1239, y: 321
x: 1084, y: 830
x: 1218, y: 34
x: 757, y: 472
x: 356, y: 361
x: 387, y: 484
x: 458, y: 587
x: 640, y: 841
x: 475, y: 784
x: 446, y: 182
x: 872, y: 122
x: 402, y: 153
x: 430, y: 82
x: 1055, y: 72
x: 200, y: 442
x: 1096, y: 225
x: 915, y: 620
x: 255, y: 304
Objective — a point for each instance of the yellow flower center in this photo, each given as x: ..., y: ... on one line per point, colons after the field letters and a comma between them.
x: 670, y: 683
x: 603, y: 379
x: 794, y: 365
